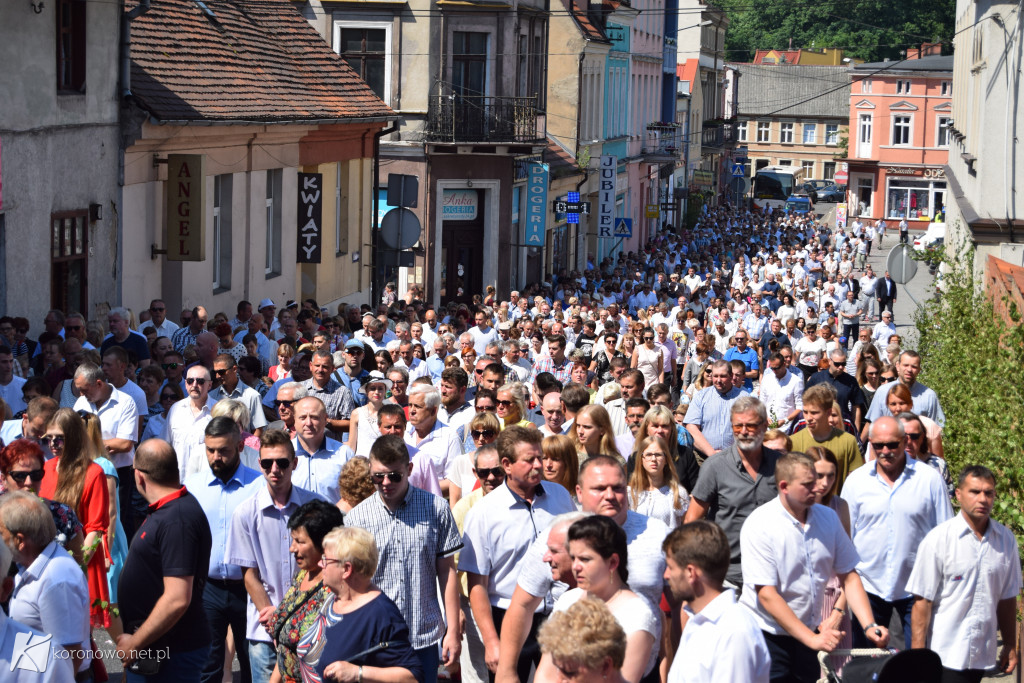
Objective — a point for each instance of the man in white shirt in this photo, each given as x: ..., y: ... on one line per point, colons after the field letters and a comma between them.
x: 428, y: 434
x: 186, y: 421
x: 482, y: 333
x: 966, y: 579
x: 781, y: 391
x: 10, y: 385
x: 408, y: 360
x: 791, y: 547
x: 721, y: 642
x: 158, y: 320
x: 226, y: 370
x: 894, y: 502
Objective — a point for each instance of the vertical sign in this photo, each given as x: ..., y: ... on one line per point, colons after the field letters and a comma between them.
x: 536, y: 204
x: 185, y: 210
x: 606, y: 195
x: 310, y: 222
x: 840, y: 215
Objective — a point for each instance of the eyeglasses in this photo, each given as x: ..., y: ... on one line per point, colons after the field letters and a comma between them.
x: 171, y: 366
x: 394, y: 477
x: 748, y: 426
x: 279, y: 402
x: 482, y: 433
x: 914, y: 436
x: 891, y: 445
x: 485, y: 472
x: 20, y: 477
x: 168, y: 397
x: 327, y: 561
x: 53, y: 441
x: 282, y: 463
x: 157, y: 310
x: 195, y: 380
x: 653, y: 456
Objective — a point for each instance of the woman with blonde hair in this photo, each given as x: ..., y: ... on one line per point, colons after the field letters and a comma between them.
x: 512, y: 405
x: 71, y: 477
x: 239, y: 414
x: 482, y: 430
x: 561, y: 465
x: 654, y: 488
x: 592, y: 433
x: 585, y: 641
x: 283, y: 369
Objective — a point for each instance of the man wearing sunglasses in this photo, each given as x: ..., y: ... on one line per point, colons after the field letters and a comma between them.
x: 287, y: 395
x: 186, y: 421
x: 220, y: 487
x: 350, y: 372
x: 158, y: 320
x: 258, y: 543
x: 417, y: 538
x: 226, y: 370
x: 894, y: 502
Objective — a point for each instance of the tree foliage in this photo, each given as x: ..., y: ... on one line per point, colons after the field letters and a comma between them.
x: 972, y: 358
x: 871, y: 30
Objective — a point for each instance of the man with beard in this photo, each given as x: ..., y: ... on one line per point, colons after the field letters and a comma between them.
x: 721, y: 642
x: 219, y: 490
x: 737, y: 480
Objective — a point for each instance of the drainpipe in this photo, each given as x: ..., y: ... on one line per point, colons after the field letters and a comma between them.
x: 126, y: 45
x: 375, y: 285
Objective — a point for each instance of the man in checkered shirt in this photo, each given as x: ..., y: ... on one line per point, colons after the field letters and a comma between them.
x: 417, y: 539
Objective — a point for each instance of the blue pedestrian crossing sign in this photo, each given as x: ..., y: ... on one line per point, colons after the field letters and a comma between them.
x: 623, y: 227
x: 737, y: 171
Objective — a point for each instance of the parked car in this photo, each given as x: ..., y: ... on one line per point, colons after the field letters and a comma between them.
x: 819, y: 185
x: 806, y: 190
x: 934, y: 236
x: 832, y: 193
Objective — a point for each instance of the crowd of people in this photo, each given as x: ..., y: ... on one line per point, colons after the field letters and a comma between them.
x: 707, y: 461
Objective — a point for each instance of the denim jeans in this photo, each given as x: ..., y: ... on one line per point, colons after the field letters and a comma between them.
x: 883, y: 610
x: 180, y: 667
x: 262, y: 658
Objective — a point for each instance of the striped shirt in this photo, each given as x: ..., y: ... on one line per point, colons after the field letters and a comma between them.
x: 411, y: 540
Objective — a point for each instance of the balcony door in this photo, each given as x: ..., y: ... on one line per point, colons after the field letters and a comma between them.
x: 469, y: 64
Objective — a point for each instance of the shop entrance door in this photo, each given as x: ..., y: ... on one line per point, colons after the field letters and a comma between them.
x: 462, y: 256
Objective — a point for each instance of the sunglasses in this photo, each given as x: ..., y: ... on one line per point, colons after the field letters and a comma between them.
x: 168, y: 397
x: 53, y: 441
x: 889, y: 378
x: 354, y: 352
x: 393, y: 477
x: 157, y: 310
x: 838, y: 365
x: 72, y: 327
x: 171, y: 366
x: 482, y: 433
x: 278, y: 403
x: 914, y: 436
x: 879, y: 445
x: 221, y: 373
x: 505, y: 404
x: 282, y: 463
x: 196, y: 380
x: 20, y: 477
x: 485, y: 472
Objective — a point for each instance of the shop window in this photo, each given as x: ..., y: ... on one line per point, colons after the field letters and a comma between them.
x: 913, y: 199
x: 69, y: 260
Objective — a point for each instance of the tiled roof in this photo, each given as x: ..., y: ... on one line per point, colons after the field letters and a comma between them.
x: 578, y: 10
x: 245, y: 60
x: 687, y: 71
x: 790, y: 56
x: 793, y: 91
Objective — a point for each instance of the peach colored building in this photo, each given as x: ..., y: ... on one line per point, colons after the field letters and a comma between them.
x: 899, y: 138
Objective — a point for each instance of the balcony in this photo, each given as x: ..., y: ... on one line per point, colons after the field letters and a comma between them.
x: 718, y: 137
x: 662, y: 143
x: 493, y: 120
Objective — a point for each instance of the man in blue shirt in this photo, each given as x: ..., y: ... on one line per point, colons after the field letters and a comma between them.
x: 219, y: 490
x: 743, y: 352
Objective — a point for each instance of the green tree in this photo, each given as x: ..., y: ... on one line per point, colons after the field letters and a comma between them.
x: 871, y: 30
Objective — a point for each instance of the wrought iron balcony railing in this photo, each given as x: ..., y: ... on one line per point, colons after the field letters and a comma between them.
x: 456, y: 118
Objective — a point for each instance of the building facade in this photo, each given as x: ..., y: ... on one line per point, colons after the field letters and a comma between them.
x: 899, y: 121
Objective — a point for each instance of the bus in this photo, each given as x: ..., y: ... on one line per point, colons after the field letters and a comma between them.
x: 773, y: 185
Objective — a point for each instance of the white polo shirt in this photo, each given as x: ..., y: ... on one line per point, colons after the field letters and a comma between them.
x: 184, y: 430
x: 119, y: 419
x: 797, y: 559
x: 441, y: 444
x: 965, y: 578
x: 721, y: 644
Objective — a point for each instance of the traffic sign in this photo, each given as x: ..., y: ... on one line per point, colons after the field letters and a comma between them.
x: 652, y: 211
x: 901, y: 266
x: 623, y: 227
x: 841, y: 177
x: 738, y: 171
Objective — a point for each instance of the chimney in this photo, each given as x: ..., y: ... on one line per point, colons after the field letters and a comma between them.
x: 931, y: 49
x: 913, y: 53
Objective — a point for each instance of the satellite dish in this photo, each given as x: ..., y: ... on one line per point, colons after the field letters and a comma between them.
x: 902, y: 268
x: 400, y: 229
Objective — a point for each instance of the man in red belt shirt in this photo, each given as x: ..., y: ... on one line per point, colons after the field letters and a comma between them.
x: 166, y: 637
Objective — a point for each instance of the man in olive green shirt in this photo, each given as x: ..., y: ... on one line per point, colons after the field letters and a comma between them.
x: 818, y: 401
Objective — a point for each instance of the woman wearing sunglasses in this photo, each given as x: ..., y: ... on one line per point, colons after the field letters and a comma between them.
x: 21, y: 469
x: 363, y: 430
x: 512, y: 405
x: 72, y: 478
x: 482, y: 430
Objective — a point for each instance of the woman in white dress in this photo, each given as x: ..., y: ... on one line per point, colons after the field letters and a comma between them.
x: 654, y: 489
x: 597, y: 546
x: 648, y: 358
x: 364, y: 430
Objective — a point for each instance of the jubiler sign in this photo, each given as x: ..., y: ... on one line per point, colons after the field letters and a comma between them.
x: 185, y: 212
x: 607, y: 173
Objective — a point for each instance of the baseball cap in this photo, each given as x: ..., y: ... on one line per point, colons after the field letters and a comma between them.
x: 354, y: 344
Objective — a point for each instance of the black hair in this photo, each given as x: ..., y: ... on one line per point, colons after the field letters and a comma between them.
x: 605, y: 536
x: 318, y: 518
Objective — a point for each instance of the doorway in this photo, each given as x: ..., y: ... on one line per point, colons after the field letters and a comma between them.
x: 462, y: 254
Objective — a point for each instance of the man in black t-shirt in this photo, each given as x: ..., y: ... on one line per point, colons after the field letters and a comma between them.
x: 164, y: 575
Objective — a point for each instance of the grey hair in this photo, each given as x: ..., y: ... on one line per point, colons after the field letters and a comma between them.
x: 402, y: 371
x: 90, y: 372
x: 448, y: 337
x: 236, y: 410
x: 402, y: 326
x: 26, y: 514
x: 488, y: 448
x: 431, y: 396
x: 510, y: 345
x: 567, y: 519
x: 121, y: 312
x: 466, y: 337
x: 300, y: 391
x: 339, y: 359
x: 748, y: 404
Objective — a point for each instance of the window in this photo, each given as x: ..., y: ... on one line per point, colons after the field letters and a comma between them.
x: 900, y: 130
x: 865, y: 85
x: 786, y: 133
x: 864, y: 135
x: 920, y: 199
x: 829, y: 172
x: 808, y: 167
x: 70, y: 46
x: 69, y: 251
x: 272, y: 264
x: 942, y: 132
x: 764, y: 131
x: 469, y: 64
x: 741, y: 131
x: 221, y: 232
x: 831, y: 133
x: 366, y: 47
x: 902, y: 87
x: 947, y: 88
x: 785, y: 162
x: 810, y: 134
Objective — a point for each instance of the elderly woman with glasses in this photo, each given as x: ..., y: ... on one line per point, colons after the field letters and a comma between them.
x: 302, y: 602
x: 359, y: 634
